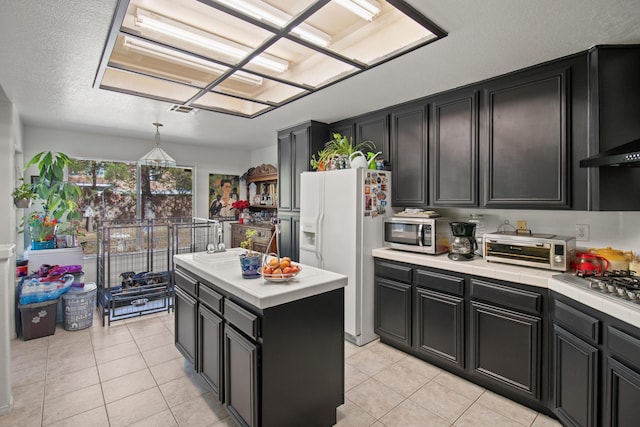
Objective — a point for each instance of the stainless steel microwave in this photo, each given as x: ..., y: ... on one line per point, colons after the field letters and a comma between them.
x: 415, y: 234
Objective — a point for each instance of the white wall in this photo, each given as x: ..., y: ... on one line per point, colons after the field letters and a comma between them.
x: 620, y: 230
x: 95, y: 146
x: 268, y: 155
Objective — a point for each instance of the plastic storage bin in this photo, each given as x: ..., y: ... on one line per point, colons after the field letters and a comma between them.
x: 38, y: 319
x: 78, y: 305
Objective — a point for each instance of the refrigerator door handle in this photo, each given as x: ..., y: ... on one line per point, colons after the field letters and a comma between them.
x: 319, y: 225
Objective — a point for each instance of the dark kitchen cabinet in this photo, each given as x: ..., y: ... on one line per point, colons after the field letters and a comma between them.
x: 409, y: 155
x: 575, y: 379
x: 289, y: 236
x: 210, y: 333
x: 576, y: 360
x: 392, y: 302
x: 375, y: 128
x: 525, y: 140
x: 241, y: 377
x: 507, y: 337
x: 295, y: 148
x: 185, y: 318
x: 453, y: 149
x: 614, y: 108
x: 439, y: 323
x: 622, y: 379
x: 344, y: 128
x: 393, y: 311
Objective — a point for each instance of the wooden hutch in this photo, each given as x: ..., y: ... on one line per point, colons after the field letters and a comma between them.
x: 262, y: 196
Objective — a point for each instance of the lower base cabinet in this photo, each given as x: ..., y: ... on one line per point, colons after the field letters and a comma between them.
x: 393, y: 310
x: 623, y: 394
x: 241, y: 377
x: 185, y: 318
x: 210, y: 332
x: 506, y: 347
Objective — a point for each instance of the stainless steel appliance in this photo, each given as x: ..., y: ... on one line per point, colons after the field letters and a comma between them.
x: 621, y: 286
x: 417, y: 234
x: 547, y: 251
x: 464, y: 243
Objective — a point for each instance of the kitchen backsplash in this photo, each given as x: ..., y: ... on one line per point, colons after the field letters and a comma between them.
x: 620, y: 230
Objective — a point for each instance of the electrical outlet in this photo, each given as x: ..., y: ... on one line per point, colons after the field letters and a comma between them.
x: 521, y: 224
x: 582, y: 232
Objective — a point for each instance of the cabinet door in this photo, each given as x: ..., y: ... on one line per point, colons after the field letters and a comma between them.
x: 525, y: 148
x: 300, y: 142
x: 286, y: 236
x: 439, y: 326
x: 210, y: 330
x: 453, y: 150
x: 285, y: 167
x: 409, y: 154
x: 375, y: 128
x: 295, y: 238
x: 241, y: 377
x: 393, y: 311
x: 344, y: 129
x: 506, y: 348
x: 623, y: 395
x: 185, y: 325
x: 575, y: 382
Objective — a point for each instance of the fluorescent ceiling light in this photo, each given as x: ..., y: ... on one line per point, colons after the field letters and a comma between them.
x: 207, y: 40
x: 265, y: 12
x: 147, y: 48
x: 366, y: 9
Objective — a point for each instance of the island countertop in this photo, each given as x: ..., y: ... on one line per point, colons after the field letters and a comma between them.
x: 223, y: 270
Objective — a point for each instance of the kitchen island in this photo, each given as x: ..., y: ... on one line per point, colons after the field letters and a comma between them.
x: 273, y: 353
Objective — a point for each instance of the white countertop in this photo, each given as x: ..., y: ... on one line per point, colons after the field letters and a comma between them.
x: 514, y: 273
x: 223, y: 270
x: 478, y: 267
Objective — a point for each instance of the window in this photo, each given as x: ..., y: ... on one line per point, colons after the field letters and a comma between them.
x: 121, y: 191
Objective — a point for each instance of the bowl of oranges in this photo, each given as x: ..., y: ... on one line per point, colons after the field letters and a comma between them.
x: 276, y: 269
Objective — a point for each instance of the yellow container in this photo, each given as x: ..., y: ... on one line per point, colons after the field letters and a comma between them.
x: 618, y: 260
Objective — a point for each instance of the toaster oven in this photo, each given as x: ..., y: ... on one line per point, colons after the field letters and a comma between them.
x: 546, y: 251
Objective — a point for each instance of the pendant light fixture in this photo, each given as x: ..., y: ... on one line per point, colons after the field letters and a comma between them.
x: 157, y: 158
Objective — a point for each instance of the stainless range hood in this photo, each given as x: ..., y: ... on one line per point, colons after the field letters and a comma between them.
x: 624, y: 155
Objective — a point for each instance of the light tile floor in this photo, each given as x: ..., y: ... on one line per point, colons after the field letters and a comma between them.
x: 130, y: 374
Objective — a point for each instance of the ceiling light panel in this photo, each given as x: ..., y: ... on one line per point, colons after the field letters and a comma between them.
x: 133, y: 83
x: 307, y: 66
x: 223, y: 103
x: 236, y: 53
x: 370, y: 42
x: 269, y: 91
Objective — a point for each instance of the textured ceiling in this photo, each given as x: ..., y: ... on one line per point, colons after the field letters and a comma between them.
x: 49, y: 54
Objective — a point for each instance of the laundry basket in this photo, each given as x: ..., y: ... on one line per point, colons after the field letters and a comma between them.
x: 78, y: 305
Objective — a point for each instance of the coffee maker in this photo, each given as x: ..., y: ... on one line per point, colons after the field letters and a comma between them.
x: 464, y: 243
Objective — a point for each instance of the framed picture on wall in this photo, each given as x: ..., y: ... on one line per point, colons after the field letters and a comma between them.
x: 223, y: 191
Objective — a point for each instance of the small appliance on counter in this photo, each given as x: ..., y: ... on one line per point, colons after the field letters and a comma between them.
x: 521, y: 247
x: 464, y: 243
x: 417, y: 232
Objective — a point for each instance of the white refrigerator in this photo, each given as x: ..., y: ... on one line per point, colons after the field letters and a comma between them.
x: 341, y: 221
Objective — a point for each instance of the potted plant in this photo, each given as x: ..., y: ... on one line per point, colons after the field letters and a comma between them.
x: 58, y: 198
x: 23, y: 194
x: 337, y: 151
x: 251, y: 260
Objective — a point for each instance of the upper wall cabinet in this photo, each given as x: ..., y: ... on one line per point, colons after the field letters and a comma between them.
x: 524, y: 141
x: 409, y: 154
x: 375, y: 128
x: 453, y: 149
x: 295, y: 147
x: 614, y: 109
x: 344, y: 128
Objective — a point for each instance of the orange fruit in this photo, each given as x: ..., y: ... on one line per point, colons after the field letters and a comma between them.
x: 286, y: 258
x: 267, y: 270
x: 287, y: 271
x: 273, y: 262
x: 277, y: 272
x: 284, y: 264
x: 295, y: 268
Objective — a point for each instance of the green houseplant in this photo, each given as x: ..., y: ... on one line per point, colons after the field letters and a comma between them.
x: 58, y: 198
x: 251, y: 261
x: 23, y: 194
x: 338, y: 150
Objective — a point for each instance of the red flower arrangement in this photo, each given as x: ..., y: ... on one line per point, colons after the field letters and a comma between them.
x: 240, y: 204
